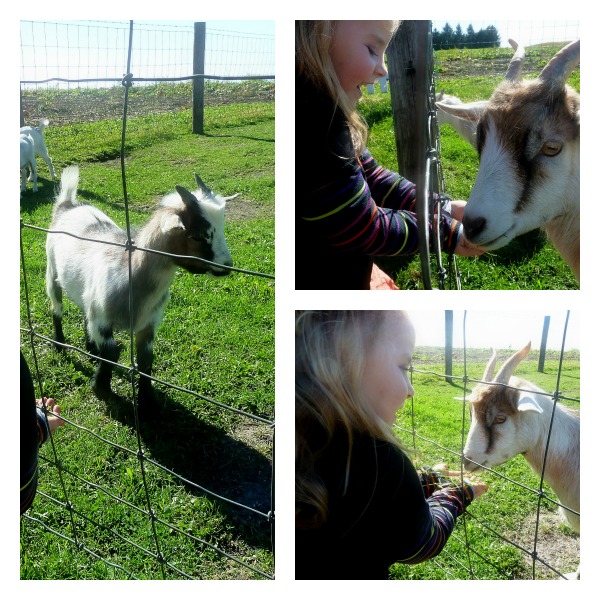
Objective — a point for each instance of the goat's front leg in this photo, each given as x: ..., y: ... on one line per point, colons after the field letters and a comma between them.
x: 102, y: 337
x: 144, y: 341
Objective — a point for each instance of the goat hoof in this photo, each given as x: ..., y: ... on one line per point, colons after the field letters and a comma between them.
x: 102, y: 392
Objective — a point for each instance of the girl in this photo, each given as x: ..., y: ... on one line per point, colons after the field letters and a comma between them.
x: 360, y: 503
x: 348, y: 208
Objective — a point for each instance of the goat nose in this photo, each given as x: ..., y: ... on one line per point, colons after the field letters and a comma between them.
x: 474, y: 226
x: 468, y: 464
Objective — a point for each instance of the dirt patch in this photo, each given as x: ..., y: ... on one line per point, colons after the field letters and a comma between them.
x: 556, y: 545
x: 242, y: 209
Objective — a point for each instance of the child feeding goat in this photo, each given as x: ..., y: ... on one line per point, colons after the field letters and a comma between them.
x: 95, y: 276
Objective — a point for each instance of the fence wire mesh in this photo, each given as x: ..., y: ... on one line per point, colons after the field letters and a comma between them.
x: 137, y: 517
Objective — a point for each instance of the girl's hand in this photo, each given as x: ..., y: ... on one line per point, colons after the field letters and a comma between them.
x: 457, y: 208
x: 54, y: 421
x: 464, y: 248
x: 479, y: 487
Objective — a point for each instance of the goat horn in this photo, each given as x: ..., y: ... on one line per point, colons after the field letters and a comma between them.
x: 201, y: 185
x: 489, y: 369
x: 561, y: 65
x: 516, y: 63
x: 508, y: 368
x: 186, y: 196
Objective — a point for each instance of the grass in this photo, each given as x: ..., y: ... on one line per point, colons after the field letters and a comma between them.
x: 528, y: 263
x: 89, y: 519
x: 508, y: 508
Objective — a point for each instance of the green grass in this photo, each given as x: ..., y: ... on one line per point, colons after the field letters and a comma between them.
x: 216, y: 339
x: 437, y: 417
x: 528, y: 263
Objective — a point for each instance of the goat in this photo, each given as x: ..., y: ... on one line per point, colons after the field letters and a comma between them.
x: 507, y: 421
x: 28, y: 161
x: 528, y: 144
x: 37, y: 134
x: 95, y: 276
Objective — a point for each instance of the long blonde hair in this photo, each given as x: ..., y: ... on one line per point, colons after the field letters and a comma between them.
x: 313, y: 62
x: 331, y: 347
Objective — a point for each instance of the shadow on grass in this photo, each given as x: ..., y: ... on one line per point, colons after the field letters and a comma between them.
x: 204, y: 454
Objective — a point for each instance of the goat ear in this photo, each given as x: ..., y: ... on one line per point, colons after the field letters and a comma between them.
x: 470, y: 111
x: 170, y: 223
x: 527, y: 402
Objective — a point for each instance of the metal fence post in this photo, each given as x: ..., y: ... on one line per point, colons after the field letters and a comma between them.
x: 542, y: 358
x: 198, y: 84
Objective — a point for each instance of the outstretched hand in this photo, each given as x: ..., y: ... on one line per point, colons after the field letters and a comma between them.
x: 54, y: 421
x: 478, y: 486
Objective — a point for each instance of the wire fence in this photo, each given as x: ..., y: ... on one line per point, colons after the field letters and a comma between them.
x: 144, y: 511
x: 71, y: 72
x: 466, y: 559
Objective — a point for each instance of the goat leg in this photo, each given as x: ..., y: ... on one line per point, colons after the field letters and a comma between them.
x: 107, y: 351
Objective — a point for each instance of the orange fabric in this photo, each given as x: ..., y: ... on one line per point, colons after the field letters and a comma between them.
x: 381, y: 280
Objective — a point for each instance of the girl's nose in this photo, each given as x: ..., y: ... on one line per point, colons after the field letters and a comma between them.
x: 381, y: 69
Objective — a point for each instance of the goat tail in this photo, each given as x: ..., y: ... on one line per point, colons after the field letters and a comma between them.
x: 67, y: 197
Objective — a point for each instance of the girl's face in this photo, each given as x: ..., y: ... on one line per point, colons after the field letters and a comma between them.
x: 356, y: 51
x: 386, y: 381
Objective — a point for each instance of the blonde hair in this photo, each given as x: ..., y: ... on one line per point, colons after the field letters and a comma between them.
x: 313, y: 62
x: 331, y: 347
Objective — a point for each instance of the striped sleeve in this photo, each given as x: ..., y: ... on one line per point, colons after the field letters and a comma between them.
x: 367, y: 209
x: 445, y: 506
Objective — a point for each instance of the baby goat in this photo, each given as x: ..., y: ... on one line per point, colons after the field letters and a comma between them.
x: 528, y: 145
x: 95, y: 276
x: 37, y: 135
x: 28, y: 164
x: 506, y: 422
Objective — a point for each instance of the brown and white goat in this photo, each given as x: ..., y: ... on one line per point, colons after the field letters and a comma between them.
x: 185, y: 227
x: 528, y: 144
x: 511, y: 416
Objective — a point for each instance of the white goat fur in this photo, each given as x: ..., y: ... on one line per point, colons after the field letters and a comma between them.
x: 506, y: 422
x: 528, y: 144
x: 37, y: 134
x: 96, y: 276
x: 28, y: 164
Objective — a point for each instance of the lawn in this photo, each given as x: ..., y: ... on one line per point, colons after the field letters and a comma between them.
x: 206, y: 471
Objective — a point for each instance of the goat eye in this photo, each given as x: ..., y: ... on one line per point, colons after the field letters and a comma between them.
x: 499, y: 419
x: 551, y: 148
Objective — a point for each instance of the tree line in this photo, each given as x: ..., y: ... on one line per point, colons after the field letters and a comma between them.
x: 456, y: 38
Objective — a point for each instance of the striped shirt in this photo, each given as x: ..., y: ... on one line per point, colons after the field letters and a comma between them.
x: 348, y: 209
x: 385, y: 512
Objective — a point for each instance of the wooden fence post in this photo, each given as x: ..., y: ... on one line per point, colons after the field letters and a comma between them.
x: 198, y: 84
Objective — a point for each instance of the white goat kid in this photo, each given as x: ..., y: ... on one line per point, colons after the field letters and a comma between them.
x: 37, y: 134
x: 506, y: 422
x: 95, y: 276
x: 528, y: 145
x: 28, y: 164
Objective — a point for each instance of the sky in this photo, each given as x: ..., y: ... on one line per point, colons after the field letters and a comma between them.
x: 98, y: 49
x: 499, y: 329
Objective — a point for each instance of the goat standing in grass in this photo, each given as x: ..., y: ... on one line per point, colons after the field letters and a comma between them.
x: 95, y: 276
x: 511, y: 416
x: 28, y: 165
x: 528, y: 144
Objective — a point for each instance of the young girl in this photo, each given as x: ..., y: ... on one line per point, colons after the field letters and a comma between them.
x: 348, y: 208
x: 360, y: 504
